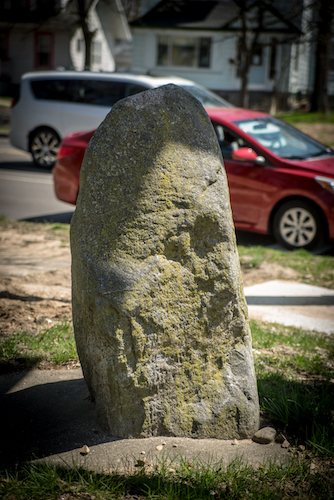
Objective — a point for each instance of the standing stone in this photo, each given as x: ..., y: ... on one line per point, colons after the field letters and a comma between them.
x: 159, y: 314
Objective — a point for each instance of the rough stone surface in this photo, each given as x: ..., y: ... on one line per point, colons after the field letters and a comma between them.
x: 265, y: 435
x: 159, y: 313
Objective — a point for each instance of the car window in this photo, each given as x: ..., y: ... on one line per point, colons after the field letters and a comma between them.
x: 134, y: 88
x: 228, y: 140
x: 88, y: 91
x: 99, y: 92
x: 207, y: 98
x: 282, y: 139
x: 54, y: 90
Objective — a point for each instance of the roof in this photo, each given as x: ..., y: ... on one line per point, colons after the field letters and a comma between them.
x: 221, y: 15
x: 150, y: 80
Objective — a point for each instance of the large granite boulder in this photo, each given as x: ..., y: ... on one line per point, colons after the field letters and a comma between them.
x: 159, y: 314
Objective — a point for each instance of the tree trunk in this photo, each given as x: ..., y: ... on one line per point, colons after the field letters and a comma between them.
x: 244, y: 95
x: 88, y: 37
x: 247, y: 48
x: 83, y: 12
x: 319, y: 99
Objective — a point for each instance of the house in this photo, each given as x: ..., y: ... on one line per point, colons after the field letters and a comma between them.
x: 46, y: 34
x: 202, y: 41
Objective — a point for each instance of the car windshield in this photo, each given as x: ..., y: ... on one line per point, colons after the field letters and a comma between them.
x: 282, y: 139
x: 207, y: 98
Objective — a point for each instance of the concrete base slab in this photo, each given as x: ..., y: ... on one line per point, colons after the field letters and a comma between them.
x: 49, y: 416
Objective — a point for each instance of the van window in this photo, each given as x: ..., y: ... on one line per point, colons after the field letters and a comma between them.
x: 98, y: 92
x: 54, y: 90
x: 134, y: 88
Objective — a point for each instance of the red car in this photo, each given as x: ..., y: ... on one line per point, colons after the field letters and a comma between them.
x: 281, y: 181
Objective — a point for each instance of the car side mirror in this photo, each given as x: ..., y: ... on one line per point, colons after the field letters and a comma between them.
x: 249, y: 155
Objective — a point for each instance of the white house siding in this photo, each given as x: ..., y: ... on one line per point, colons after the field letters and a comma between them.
x: 143, y: 52
x: 21, y: 53
x: 62, y: 56
x: 77, y: 56
x: 22, y: 48
x: 301, y: 78
x: 223, y: 71
x: 221, y: 76
x: 300, y: 68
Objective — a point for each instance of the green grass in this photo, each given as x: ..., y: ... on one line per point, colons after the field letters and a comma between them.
x: 296, y: 117
x: 170, y: 481
x: 295, y: 375
x: 55, y: 345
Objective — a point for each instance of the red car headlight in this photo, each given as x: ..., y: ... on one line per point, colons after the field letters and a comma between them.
x: 325, y: 182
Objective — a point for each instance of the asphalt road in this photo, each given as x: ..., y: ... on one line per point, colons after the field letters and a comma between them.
x: 26, y: 192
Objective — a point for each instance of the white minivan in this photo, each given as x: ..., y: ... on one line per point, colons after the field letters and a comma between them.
x: 51, y: 104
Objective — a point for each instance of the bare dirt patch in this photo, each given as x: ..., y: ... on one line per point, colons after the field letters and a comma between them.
x: 267, y: 272
x: 35, y: 277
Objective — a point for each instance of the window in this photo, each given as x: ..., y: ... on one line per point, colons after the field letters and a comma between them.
x: 43, y: 50
x: 54, y: 90
x: 257, y: 56
x: 229, y: 141
x: 80, y: 44
x: 183, y: 51
x: 134, y: 88
x: 282, y: 139
x: 98, y: 92
x: 96, y: 52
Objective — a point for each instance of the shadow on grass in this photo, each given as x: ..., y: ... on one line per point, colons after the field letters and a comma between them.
x: 19, y: 364
x: 304, y: 411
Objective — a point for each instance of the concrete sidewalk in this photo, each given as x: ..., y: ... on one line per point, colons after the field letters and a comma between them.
x: 49, y: 413
x: 292, y: 304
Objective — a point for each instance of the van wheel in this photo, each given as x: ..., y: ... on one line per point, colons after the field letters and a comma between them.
x: 44, y: 146
x: 297, y: 224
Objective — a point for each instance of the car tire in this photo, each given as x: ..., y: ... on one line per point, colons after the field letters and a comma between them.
x: 44, y: 146
x: 297, y: 224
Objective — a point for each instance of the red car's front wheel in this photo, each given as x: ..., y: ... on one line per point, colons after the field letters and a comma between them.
x: 297, y: 224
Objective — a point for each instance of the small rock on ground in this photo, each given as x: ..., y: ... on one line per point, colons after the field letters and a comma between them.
x: 265, y: 435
